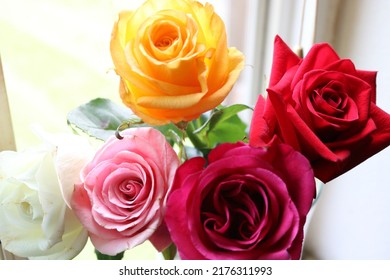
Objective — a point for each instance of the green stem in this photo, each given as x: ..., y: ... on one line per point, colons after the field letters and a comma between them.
x: 182, y: 154
x: 194, y: 139
x: 101, y: 256
x: 170, y: 252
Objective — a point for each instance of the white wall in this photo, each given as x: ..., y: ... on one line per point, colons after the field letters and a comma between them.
x: 352, y: 217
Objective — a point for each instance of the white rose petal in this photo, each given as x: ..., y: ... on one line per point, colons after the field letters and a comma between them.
x: 35, y: 220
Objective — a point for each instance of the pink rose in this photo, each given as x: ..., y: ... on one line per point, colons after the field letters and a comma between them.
x: 323, y: 107
x: 247, y: 203
x: 121, y: 200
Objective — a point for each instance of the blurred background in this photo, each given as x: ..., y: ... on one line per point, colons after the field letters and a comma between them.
x: 55, y: 56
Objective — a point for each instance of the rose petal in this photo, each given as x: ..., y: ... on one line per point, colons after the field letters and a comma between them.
x: 179, y: 198
x: 283, y: 59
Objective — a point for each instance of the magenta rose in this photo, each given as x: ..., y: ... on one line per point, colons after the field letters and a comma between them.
x: 323, y: 107
x: 121, y: 200
x: 246, y: 203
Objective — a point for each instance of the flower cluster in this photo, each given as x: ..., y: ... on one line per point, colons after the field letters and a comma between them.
x: 185, y: 173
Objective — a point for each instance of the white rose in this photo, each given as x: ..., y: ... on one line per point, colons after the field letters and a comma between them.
x: 36, y: 221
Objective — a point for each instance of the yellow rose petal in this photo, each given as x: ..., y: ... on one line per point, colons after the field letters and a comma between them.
x: 173, y: 60
x: 170, y: 102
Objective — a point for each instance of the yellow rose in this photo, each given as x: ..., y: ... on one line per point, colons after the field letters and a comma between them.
x: 173, y: 60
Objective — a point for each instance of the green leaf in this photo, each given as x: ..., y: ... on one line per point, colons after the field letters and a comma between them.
x: 101, y: 256
x: 219, y: 115
x: 170, y: 131
x: 231, y: 130
x: 222, y: 125
x: 99, y: 117
x: 102, y: 118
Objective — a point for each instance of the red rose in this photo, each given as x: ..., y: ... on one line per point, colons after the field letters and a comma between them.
x: 323, y: 107
x: 247, y: 203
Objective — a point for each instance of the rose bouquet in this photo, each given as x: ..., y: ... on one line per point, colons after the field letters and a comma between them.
x: 179, y: 169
